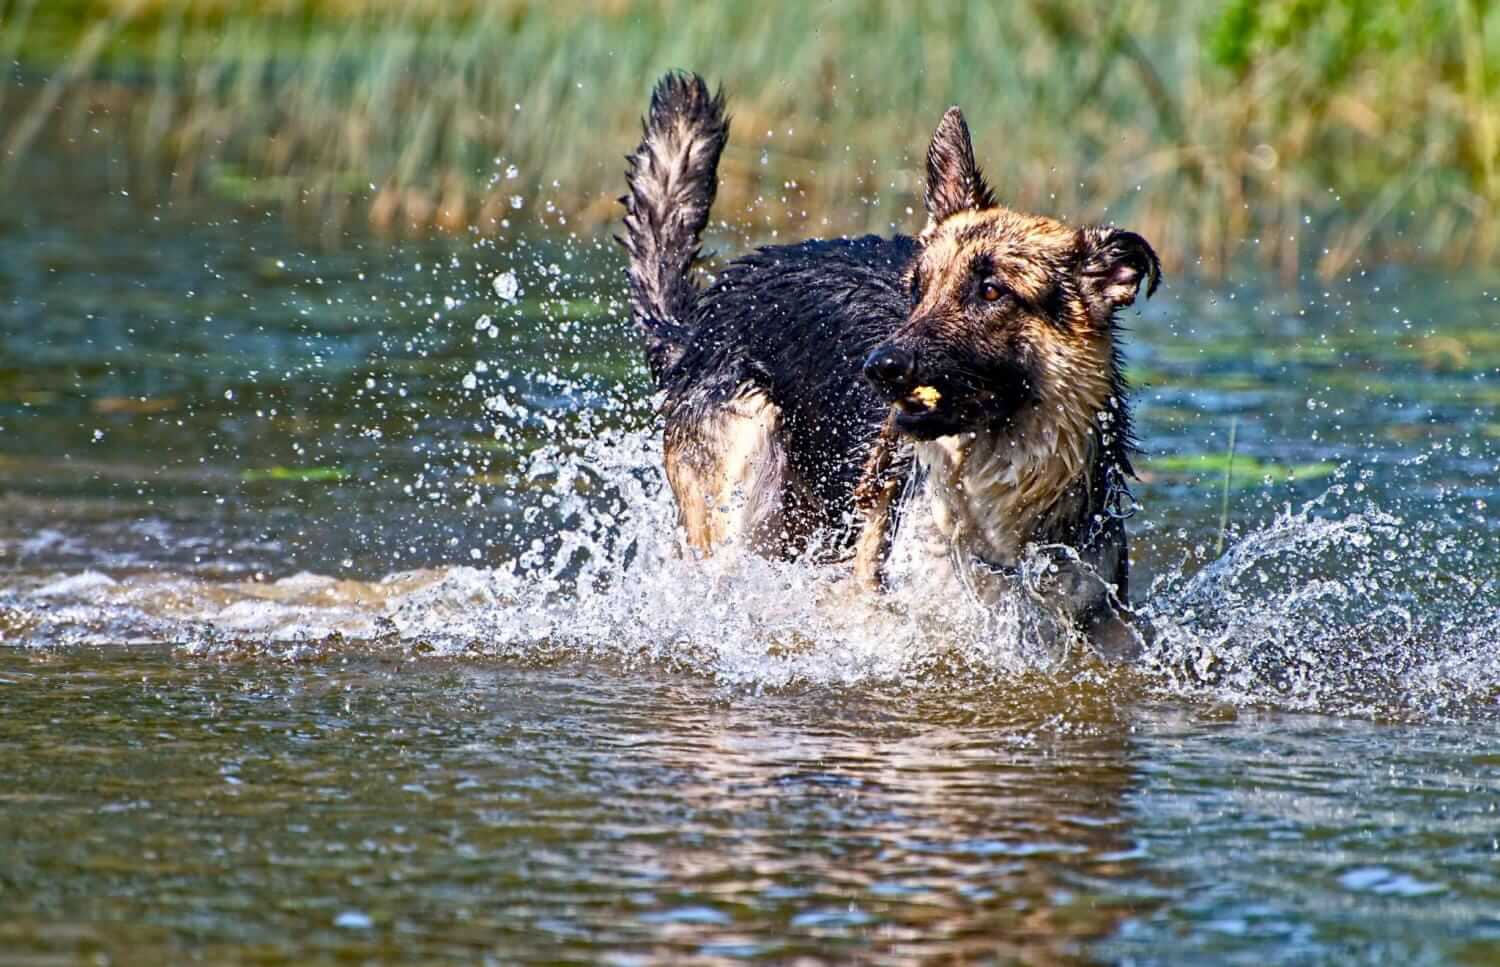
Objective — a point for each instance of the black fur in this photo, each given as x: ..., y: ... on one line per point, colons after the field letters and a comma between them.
x: 797, y: 321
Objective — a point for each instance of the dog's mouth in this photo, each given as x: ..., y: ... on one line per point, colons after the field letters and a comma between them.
x: 931, y: 410
x: 922, y: 399
x: 927, y: 412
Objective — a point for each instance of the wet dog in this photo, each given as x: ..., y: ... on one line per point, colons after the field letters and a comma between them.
x: 953, y: 398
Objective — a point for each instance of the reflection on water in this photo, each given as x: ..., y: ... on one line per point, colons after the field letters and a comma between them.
x: 351, y: 621
x: 449, y: 809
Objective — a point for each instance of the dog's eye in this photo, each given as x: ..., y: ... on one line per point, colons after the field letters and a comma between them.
x: 990, y: 292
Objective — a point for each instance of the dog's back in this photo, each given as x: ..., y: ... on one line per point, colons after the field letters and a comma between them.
x: 791, y: 326
x: 768, y: 421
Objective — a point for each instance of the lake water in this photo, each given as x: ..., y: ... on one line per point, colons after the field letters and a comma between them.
x: 343, y: 619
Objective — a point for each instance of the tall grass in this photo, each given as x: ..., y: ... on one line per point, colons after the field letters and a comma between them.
x: 1309, y: 131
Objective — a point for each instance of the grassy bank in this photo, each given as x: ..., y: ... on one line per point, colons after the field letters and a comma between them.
x: 1310, y: 131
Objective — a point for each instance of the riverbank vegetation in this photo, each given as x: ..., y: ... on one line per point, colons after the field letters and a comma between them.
x: 1309, y: 132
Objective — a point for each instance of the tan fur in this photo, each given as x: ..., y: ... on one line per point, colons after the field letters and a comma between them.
x: 729, y: 475
x: 875, y: 499
x: 992, y: 490
x: 1026, y: 250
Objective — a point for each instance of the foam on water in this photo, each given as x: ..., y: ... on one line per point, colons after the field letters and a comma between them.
x: 1335, y: 605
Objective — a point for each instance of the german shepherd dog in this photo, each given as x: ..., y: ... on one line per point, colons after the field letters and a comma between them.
x: 956, y: 393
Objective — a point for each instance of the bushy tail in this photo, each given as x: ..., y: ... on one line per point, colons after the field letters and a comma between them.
x: 672, y: 179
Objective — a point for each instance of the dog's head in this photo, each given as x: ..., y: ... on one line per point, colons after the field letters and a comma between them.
x: 1008, y: 311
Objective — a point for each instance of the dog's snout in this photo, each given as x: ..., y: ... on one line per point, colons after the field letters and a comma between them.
x: 890, y: 368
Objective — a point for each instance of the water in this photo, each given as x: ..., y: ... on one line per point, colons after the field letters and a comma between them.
x: 344, y: 619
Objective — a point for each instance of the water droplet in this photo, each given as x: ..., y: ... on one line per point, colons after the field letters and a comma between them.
x: 506, y: 286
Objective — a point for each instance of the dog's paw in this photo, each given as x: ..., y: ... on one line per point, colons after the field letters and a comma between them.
x: 1120, y: 637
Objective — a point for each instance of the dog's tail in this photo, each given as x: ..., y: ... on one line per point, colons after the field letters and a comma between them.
x: 672, y: 179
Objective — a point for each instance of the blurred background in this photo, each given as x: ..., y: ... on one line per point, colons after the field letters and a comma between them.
x: 1303, y: 132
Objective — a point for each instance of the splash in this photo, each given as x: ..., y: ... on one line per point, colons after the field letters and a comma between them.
x: 1329, y: 606
x: 492, y: 418
x: 608, y: 578
x: 1325, y: 608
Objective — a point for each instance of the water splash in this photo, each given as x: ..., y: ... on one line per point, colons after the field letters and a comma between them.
x: 489, y: 413
x: 1336, y: 605
x: 1328, y: 607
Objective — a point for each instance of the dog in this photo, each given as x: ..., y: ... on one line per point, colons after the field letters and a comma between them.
x: 952, y: 398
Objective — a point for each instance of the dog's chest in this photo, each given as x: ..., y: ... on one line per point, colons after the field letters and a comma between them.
x: 987, y: 494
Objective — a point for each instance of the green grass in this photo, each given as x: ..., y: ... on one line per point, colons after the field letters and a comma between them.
x: 295, y: 475
x: 1306, y: 131
x: 1246, y: 473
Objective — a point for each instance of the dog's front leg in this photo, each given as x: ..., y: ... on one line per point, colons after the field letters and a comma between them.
x: 875, y: 501
x: 1074, y: 586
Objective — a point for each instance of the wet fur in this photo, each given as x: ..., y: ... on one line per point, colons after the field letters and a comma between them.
x: 775, y: 440
x: 788, y: 326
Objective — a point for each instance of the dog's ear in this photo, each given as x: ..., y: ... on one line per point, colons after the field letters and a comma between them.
x: 1112, y: 265
x: 953, y: 179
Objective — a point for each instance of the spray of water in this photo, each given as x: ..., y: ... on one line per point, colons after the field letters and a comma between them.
x: 1329, y: 606
x: 1342, y: 603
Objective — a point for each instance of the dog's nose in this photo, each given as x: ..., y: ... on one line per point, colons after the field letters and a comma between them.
x: 890, y: 369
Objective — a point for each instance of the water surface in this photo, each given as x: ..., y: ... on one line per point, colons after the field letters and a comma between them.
x: 344, y: 618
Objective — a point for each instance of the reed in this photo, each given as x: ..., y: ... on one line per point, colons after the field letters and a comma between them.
x: 1234, y: 424
x: 1308, y: 132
